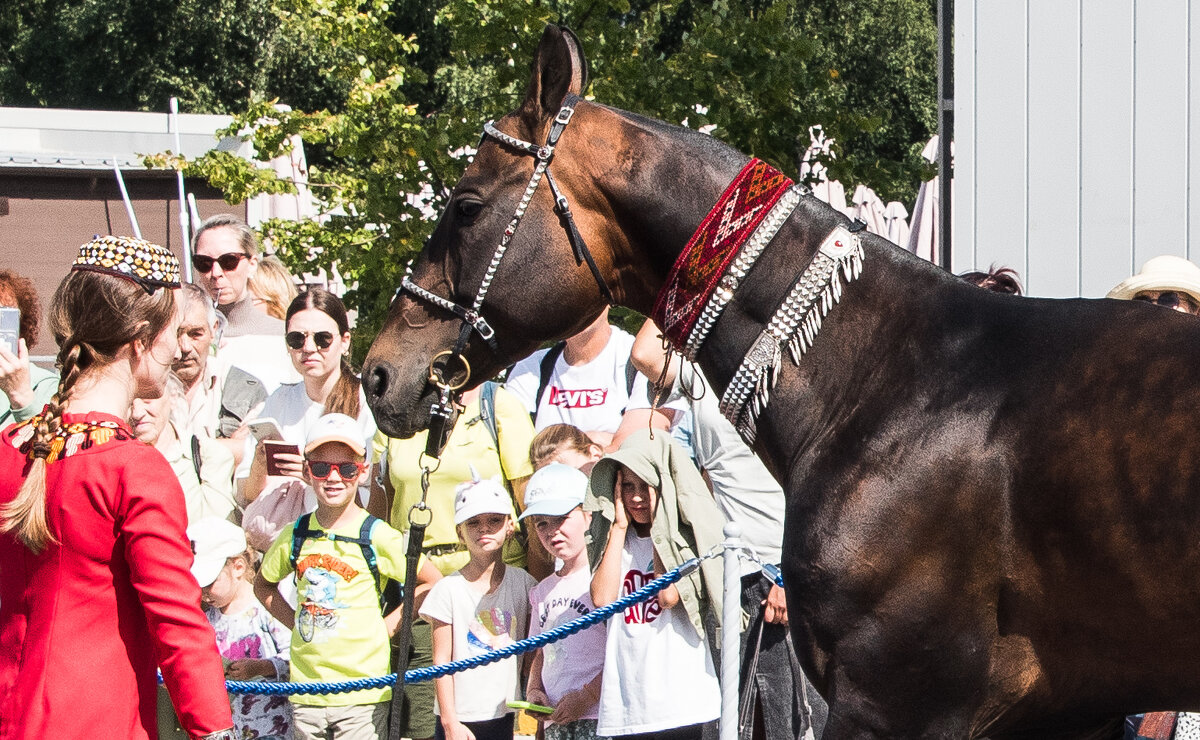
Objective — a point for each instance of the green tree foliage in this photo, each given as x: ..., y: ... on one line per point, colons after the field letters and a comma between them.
x: 388, y: 94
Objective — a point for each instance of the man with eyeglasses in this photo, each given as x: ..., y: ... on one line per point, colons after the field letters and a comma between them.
x: 1168, y: 281
x: 225, y: 256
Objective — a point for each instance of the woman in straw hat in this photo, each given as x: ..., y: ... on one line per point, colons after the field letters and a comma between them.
x: 1168, y: 281
x: 96, y: 590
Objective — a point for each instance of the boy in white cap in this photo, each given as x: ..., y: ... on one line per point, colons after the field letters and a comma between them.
x: 252, y: 643
x: 340, y: 556
x: 566, y: 674
x: 479, y: 608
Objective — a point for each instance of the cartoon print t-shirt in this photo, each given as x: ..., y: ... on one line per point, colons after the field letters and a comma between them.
x: 339, y: 633
x: 481, y: 623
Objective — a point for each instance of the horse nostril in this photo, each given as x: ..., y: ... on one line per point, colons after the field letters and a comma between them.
x: 375, y: 381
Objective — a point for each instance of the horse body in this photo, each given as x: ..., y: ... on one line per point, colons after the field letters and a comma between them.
x: 991, y: 500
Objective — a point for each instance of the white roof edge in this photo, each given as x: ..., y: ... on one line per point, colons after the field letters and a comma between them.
x: 100, y: 120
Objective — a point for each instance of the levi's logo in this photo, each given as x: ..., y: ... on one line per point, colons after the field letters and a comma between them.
x: 578, y: 399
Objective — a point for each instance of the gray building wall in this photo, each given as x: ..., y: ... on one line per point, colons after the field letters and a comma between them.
x: 1077, y: 138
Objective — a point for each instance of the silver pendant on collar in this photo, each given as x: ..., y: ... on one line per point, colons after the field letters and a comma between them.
x: 795, y: 326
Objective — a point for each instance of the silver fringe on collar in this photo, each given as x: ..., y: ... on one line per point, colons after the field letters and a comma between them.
x: 794, y: 325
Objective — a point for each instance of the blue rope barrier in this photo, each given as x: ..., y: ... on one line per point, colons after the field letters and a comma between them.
x: 417, y: 675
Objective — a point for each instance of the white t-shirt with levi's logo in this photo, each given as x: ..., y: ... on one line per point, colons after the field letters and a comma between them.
x: 592, y: 396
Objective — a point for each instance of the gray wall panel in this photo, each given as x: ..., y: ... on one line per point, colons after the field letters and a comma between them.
x: 1053, y: 167
x: 1000, y: 156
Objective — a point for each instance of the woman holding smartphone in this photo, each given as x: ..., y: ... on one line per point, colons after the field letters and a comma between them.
x: 318, y: 341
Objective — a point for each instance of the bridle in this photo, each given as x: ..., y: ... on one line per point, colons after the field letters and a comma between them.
x: 472, y: 318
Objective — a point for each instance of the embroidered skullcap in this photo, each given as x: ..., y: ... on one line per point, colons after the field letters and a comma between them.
x: 147, y: 264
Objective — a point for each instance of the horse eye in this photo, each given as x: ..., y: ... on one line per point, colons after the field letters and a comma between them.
x: 468, y: 209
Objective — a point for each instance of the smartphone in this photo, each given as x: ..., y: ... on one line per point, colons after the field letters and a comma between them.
x: 275, y: 447
x: 10, y: 328
x: 530, y: 707
x: 264, y: 428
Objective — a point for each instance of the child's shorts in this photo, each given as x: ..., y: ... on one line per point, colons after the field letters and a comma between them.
x: 349, y: 722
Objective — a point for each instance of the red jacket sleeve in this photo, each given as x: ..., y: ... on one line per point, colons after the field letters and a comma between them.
x: 153, y: 520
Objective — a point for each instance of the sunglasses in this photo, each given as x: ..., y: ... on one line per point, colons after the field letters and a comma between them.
x: 295, y: 339
x: 346, y: 470
x: 1169, y: 299
x: 228, y: 261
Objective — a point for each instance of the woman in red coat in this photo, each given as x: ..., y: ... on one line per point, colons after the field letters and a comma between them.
x: 95, y: 588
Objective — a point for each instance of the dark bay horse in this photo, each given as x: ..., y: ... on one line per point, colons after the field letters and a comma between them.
x: 992, y: 501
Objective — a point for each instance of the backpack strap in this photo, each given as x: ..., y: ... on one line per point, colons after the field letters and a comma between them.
x: 196, y: 457
x: 300, y: 533
x: 546, y: 369
x: 631, y: 372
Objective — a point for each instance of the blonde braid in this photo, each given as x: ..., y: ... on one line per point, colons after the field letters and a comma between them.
x: 26, y: 513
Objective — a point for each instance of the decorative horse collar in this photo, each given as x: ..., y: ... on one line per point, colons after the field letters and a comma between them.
x: 719, y: 256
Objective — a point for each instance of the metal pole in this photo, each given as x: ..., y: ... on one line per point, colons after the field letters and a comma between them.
x: 184, y: 226
x: 731, y: 633
x: 945, y: 160
x: 137, y: 231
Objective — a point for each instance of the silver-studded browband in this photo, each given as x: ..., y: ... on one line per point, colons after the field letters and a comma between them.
x: 471, y: 317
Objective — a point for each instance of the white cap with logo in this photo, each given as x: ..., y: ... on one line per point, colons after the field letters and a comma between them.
x: 214, y: 540
x: 475, y: 497
x: 336, y: 428
x: 554, y: 491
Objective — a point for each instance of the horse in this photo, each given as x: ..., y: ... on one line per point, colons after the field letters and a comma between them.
x: 992, y: 501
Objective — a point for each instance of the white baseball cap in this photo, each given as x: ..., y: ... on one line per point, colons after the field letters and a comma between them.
x: 475, y: 497
x: 336, y: 428
x: 554, y: 491
x: 214, y: 540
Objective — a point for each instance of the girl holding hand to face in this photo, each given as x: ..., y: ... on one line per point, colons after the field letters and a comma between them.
x: 652, y: 511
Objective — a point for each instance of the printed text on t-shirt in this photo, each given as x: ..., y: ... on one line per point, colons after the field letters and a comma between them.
x: 582, y: 398
x: 644, y: 612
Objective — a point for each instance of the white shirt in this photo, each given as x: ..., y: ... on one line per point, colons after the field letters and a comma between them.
x: 569, y: 663
x: 479, y: 624
x: 592, y: 396
x: 658, y: 672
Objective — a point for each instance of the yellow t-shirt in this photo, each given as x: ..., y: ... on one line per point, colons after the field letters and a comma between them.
x: 470, y: 445
x: 339, y: 633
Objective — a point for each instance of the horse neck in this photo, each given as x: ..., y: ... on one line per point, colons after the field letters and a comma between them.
x: 886, y: 330
x: 675, y: 175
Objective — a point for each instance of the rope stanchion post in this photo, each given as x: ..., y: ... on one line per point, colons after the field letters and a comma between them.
x: 731, y: 620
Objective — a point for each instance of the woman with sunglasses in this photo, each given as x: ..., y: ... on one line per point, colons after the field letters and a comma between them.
x: 225, y: 257
x: 1172, y: 283
x: 96, y: 590
x: 318, y: 341
x: 1167, y: 281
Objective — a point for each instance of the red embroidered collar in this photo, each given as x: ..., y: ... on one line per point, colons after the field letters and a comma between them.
x: 699, y: 267
x: 72, y: 437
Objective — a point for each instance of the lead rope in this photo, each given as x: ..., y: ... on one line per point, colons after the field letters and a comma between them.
x: 440, y: 426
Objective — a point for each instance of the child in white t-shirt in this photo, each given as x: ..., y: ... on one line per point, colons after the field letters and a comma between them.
x: 479, y: 608
x: 659, y: 680
x: 565, y: 674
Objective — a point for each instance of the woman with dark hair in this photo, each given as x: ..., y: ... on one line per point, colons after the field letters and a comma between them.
x: 318, y: 340
x: 26, y: 387
x: 97, y: 581
x: 996, y: 279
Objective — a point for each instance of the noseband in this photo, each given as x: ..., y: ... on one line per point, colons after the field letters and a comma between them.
x: 471, y: 317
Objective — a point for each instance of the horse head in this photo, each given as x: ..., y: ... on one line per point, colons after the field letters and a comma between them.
x: 557, y: 208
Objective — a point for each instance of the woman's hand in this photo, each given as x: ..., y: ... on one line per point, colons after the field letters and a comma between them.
x: 571, y: 707
x: 14, y: 376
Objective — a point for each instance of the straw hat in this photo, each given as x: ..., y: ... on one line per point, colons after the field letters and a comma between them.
x: 1167, y: 272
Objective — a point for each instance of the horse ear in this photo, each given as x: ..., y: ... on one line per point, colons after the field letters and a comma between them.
x: 559, y: 67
